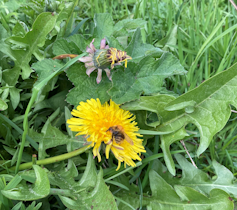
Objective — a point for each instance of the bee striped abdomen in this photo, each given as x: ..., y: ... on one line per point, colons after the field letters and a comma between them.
x: 118, y: 136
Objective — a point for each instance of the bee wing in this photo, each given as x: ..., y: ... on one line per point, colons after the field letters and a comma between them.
x: 127, y: 138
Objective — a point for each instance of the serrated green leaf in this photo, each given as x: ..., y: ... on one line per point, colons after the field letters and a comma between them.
x: 32, y: 40
x: 99, y: 198
x: 165, y: 197
x: 121, y: 28
x: 146, y: 77
x: 166, y: 141
x: 80, y: 41
x: 211, y: 112
x: 40, y: 189
x: 44, y: 68
x: 90, y: 192
x: 103, y: 25
x: 52, y: 138
x: 62, y: 46
x: 112, y: 42
x: 86, y: 87
x: 150, y: 103
x: 199, y: 180
x: 136, y: 48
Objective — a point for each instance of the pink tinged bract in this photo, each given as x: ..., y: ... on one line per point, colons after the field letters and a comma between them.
x: 102, y: 43
x: 89, y: 64
x: 88, y: 71
x: 89, y: 50
x: 108, y: 73
x: 85, y: 59
x: 92, y: 46
x: 99, y: 76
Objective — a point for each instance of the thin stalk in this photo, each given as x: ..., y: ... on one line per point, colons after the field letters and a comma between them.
x: 35, y: 91
x: 50, y: 160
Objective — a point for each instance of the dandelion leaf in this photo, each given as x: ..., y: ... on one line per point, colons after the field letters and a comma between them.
x: 122, y: 27
x: 86, y: 87
x: 146, y: 77
x: 53, y: 137
x: 200, y: 181
x: 136, y: 48
x: 40, y: 188
x: 103, y: 25
x: 89, y: 193
x: 164, y: 196
x: 31, y: 41
x: 211, y: 110
x: 63, y: 46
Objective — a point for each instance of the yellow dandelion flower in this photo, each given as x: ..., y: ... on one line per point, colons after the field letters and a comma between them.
x: 111, y: 125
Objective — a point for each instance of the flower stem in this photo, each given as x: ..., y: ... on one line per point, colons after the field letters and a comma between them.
x: 51, y: 160
x: 60, y: 57
x: 35, y: 91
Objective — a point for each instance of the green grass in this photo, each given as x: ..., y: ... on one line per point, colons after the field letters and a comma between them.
x: 201, y: 34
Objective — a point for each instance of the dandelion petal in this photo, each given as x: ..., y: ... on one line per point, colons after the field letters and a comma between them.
x: 107, y: 150
x: 119, y: 165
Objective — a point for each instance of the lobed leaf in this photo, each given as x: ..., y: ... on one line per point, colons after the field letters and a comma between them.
x: 89, y: 193
x: 31, y: 41
x: 136, y: 48
x: 86, y: 87
x: 211, y: 110
x: 165, y: 197
x: 103, y: 25
x: 145, y: 77
x: 51, y: 138
x: 40, y: 189
x: 122, y: 27
x: 200, y: 181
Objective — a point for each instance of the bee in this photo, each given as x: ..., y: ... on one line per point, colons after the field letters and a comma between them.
x: 119, y: 135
